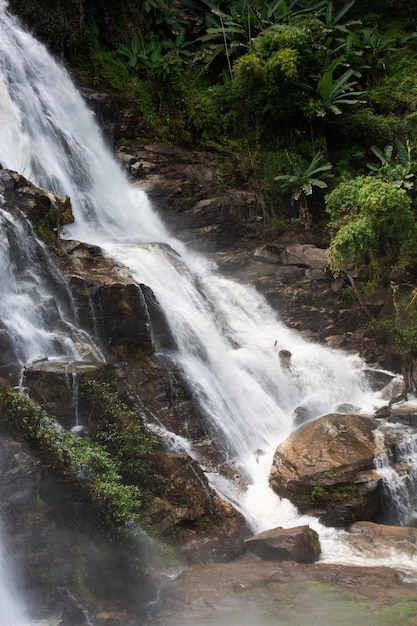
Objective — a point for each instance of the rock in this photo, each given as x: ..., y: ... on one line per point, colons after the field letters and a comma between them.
x: 253, y: 591
x: 382, y: 539
x: 204, y: 525
x: 336, y: 341
x: 377, y: 379
x: 267, y: 253
x: 302, y: 414
x: 286, y: 544
x: 47, y: 211
x: 58, y: 547
x: 304, y: 255
x: 9, y: 362
x: 345, y: 407
x: 122, y: 316
x: 325, y: 468
x: 285, y: 358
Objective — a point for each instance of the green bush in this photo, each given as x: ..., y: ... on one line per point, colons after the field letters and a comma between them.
x: 369, y: 217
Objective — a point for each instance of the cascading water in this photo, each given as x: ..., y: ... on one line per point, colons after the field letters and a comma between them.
x: 227, y: 336
x: 11, y: 613
x: 27, y: 276
x: 399, y: 474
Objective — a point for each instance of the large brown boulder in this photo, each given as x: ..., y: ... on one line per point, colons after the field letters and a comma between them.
x: 286, y: 544
x: 325, y: 468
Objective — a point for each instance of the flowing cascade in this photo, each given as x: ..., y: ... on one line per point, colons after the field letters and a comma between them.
x: 11, y: 612
x: 399, y: 477
x: 27, y: 275
x: 227, y: 337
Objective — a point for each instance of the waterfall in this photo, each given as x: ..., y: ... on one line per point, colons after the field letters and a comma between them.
x: 227, y: 336
x: 398, y: 469
x: 27, y: 276
x: 11, y: 613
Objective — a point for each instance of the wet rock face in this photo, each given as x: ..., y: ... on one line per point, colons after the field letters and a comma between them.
x: 383, y: 539
x: 122, y: 316
x: 58, y: 547
x: 192, y: 190
x: 325, y: 468
x: 47, y: 211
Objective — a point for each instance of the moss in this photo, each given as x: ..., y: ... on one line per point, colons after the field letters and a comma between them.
x: 86, y: 465
x: 340, y: 493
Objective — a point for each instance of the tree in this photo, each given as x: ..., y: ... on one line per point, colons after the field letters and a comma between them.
x: 370, y: 218
x: 374, y: 227
x: 371, y: 221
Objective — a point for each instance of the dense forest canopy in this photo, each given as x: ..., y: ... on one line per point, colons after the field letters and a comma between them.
x: 316, y: 100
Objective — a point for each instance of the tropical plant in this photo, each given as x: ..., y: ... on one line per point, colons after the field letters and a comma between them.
x: 398, y: 169
x: 372, y: 226
x: 374, y: 48
x: 335, y: 93
x: 302, y: 181
x: 132, y: 52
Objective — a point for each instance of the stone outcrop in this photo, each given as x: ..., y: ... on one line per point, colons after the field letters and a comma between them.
x: 299, y: 544
x: 382, y: 539
x: 48, y: 211
x: 180, y: 503
x: 325, y: 468
x: 192, y: 189
x: 254, y: 591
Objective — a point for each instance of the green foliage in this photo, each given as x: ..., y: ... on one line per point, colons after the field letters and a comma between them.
x: 396, y: 88
x: 83, y: 463
x: 400, y: 170
x: 340, y: 493
x: 401, y: 326
x: 369, y: 216
x: 132, y: 52
x: 266, y: 75
x: 366, y: 128
x: 334, y: 94
x: 119, y: 431
x: 303, y: 179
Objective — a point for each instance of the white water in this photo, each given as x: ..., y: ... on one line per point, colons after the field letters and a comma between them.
x: 399, y: 475
x: 39, y: 322
x: 227, y: 336
x: 11, y: 613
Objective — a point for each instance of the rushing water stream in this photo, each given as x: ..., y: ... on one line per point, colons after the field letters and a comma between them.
x: 226, y: 334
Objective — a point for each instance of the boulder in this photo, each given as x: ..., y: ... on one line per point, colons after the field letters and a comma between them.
x: 286, y: 544
x: 48, y: 211
x: 382, y: 539
x: 122, y: 316
x: 326, y: 468
x: 304, y: 255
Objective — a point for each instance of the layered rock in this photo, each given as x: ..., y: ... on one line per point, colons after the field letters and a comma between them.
x: 48, y: 211
x: 193, y: 190
x: 325, y: 468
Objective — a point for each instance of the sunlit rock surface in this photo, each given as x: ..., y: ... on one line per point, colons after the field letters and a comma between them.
x: 325, y: 468
x: 299, y: 544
